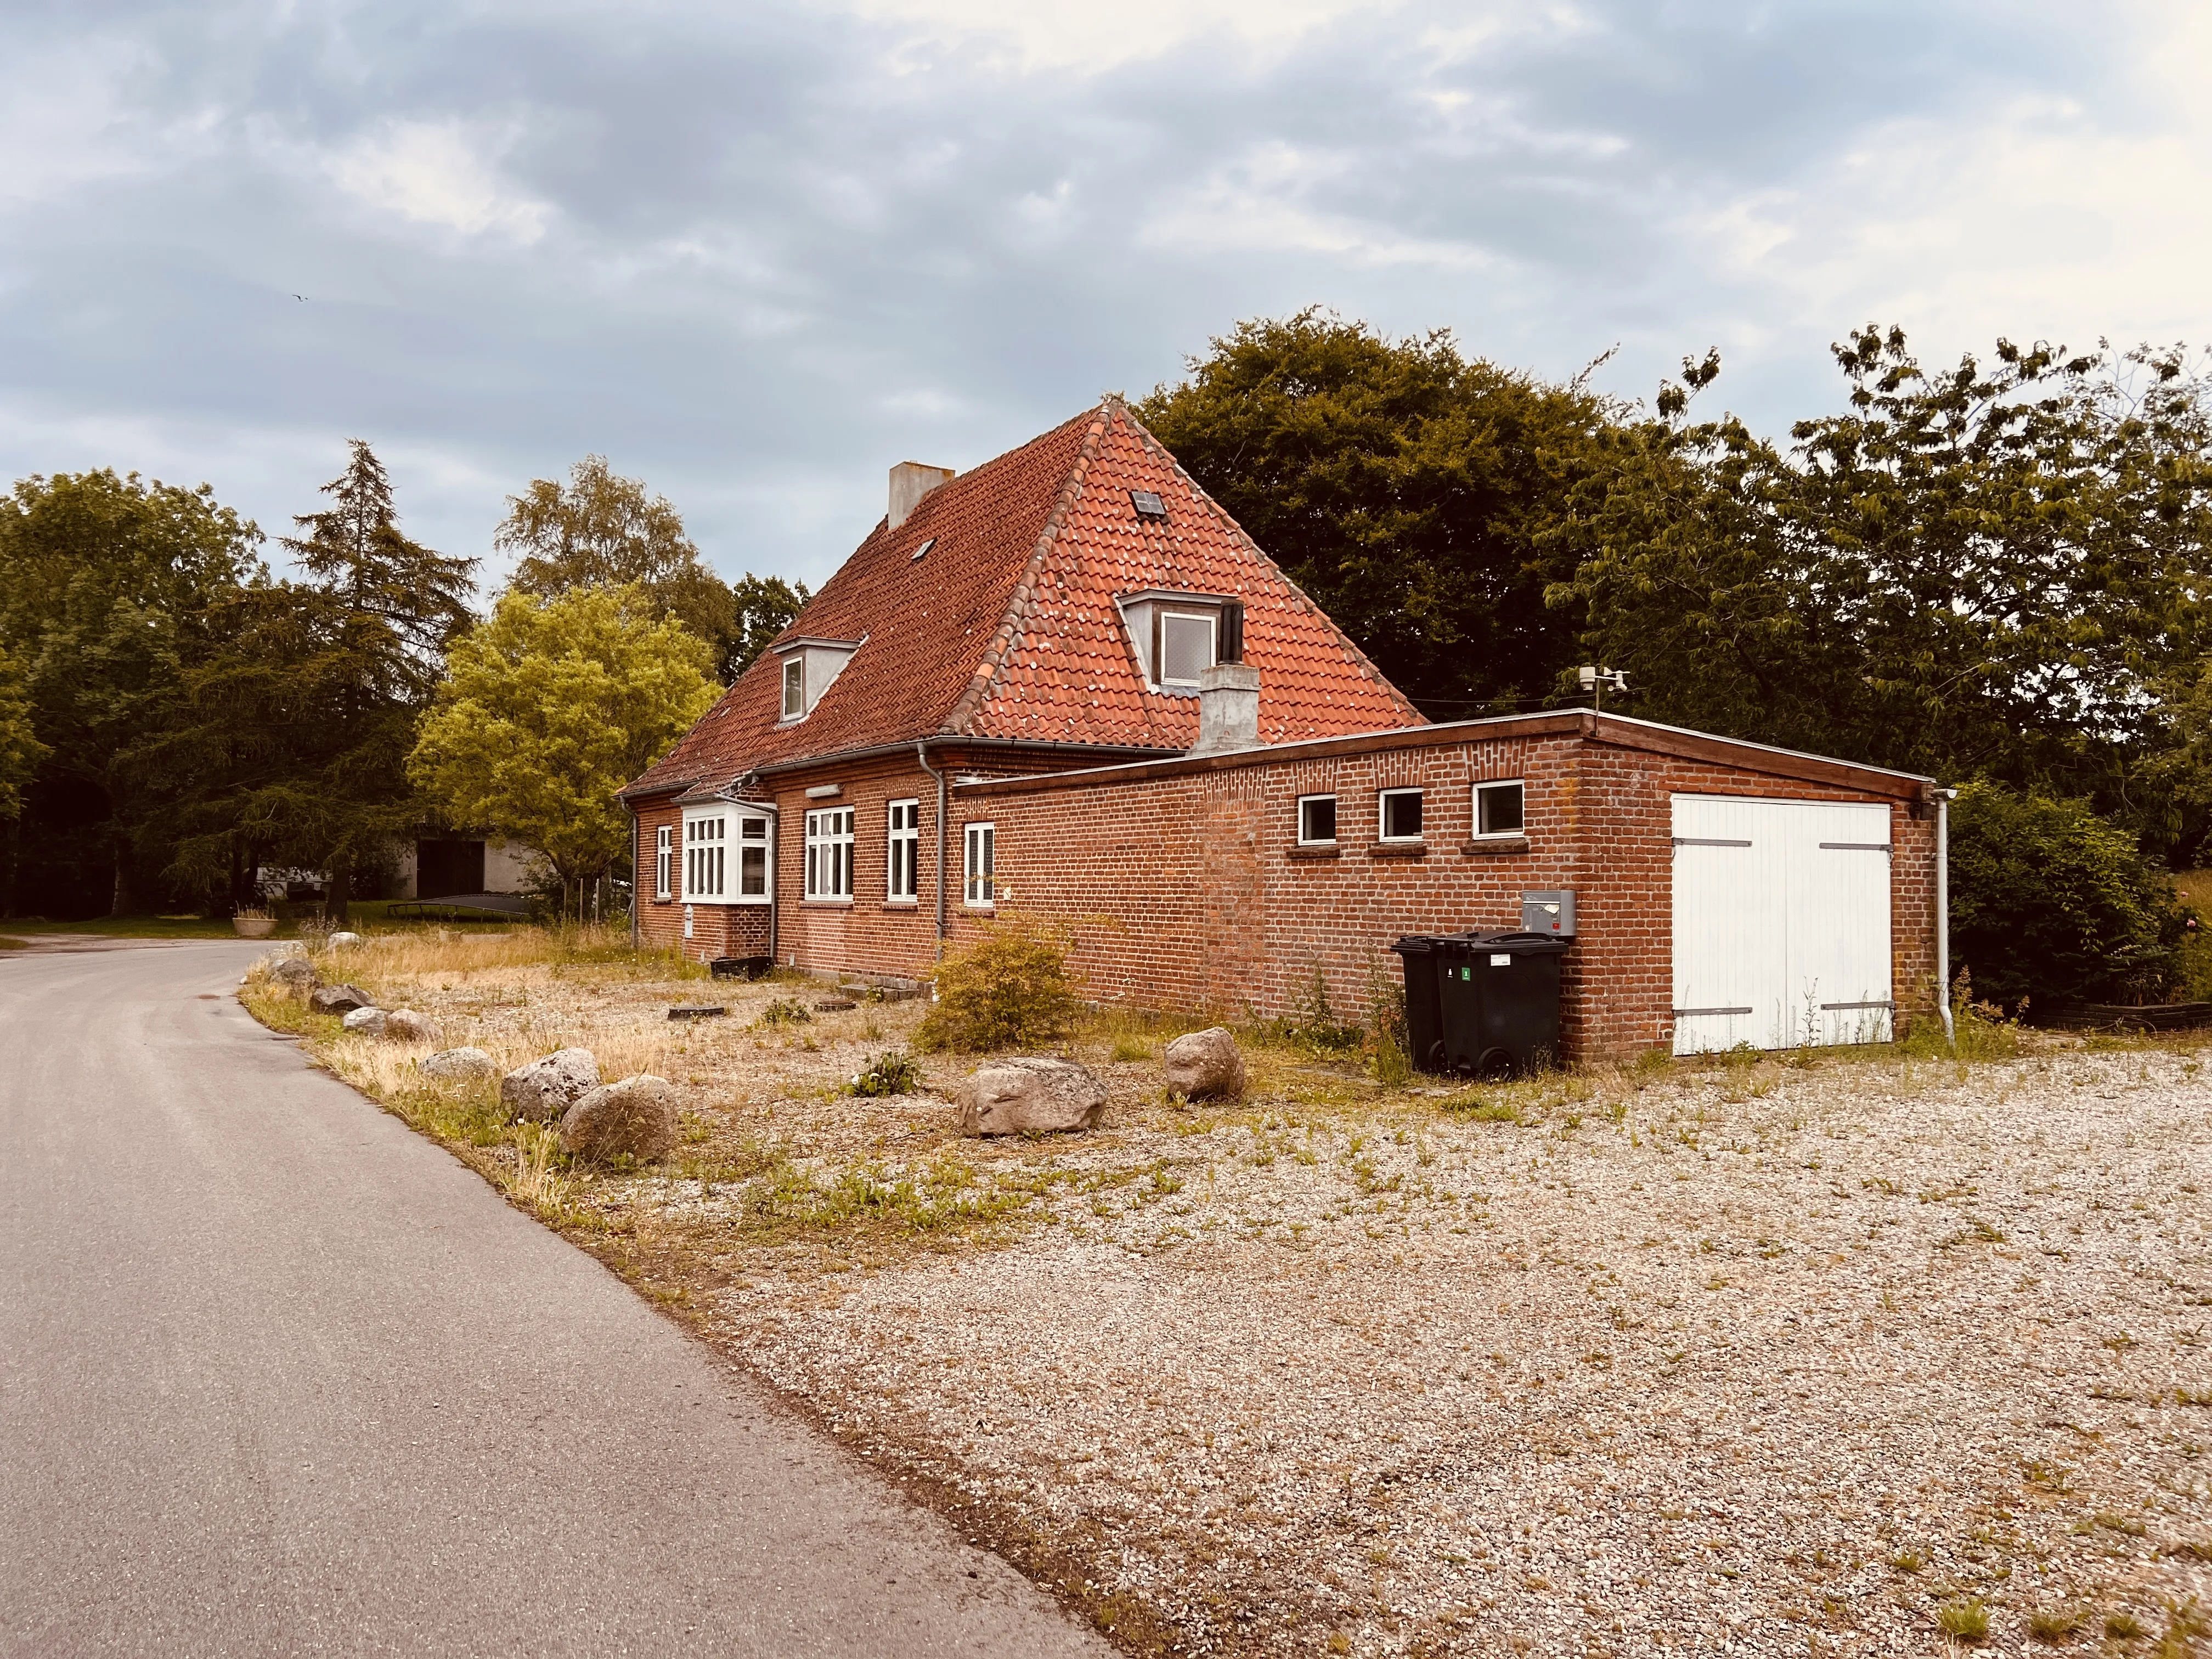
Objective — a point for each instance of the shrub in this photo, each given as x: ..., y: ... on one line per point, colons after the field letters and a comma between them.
x: 786, y: 1011
x: 1966, y: 1621
x: 2050, y: 902
x: 1008, y: 990
x: 893, y: 1073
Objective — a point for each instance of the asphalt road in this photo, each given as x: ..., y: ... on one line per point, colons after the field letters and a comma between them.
x: 278, y: 1376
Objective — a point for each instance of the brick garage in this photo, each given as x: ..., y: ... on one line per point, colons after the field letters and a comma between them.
x: 1185, y: 888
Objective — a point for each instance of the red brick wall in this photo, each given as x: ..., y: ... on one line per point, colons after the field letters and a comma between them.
x: 1184, y: 891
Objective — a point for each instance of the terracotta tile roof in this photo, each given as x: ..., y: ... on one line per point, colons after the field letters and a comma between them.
x: 1007, y: 628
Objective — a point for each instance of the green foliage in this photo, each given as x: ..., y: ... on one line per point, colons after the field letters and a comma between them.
x: 600, y: 530
x: 1010, y: 989
x: 786, y: 1011
x: 1990, y: 571
x: 1410, y: 491
x: 551, y: 707
x: 2050, y: 902
x: 20, y: 751
x: 892, y: 1073
x: 1314, y: 1024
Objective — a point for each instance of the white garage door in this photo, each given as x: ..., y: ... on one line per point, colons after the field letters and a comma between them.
x: 1781, y: 923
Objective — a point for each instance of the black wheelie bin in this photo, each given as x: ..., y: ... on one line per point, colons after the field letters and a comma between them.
x: 1482, y: 1004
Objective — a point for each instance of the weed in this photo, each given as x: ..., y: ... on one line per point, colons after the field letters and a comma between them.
x: 2123, y: 1626
x: 892, y: 1073
x: 1908, y: 1561
x: 1964, y: 1620
x: 1009, y: 989
x: 2053, y: 1624
x: 2121, y: 1523
x: 782, y: 1012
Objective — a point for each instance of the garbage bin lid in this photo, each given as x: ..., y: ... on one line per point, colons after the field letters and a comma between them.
x: 1510, y: 941
x: 1417, y: 945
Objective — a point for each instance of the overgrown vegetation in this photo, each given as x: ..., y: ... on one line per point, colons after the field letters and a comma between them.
x: 1010, y: 989
x: 892, y: 1073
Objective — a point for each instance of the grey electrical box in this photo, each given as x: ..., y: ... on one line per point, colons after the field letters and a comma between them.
x: 1548, y: 913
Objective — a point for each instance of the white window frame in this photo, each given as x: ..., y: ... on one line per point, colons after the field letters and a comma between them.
x: 902, y: 852
x: 1383, y: 818
x: 794, y: 675
x: 706, y: 856
x: 830, y: 855
x: 979, y: 876
x: 1305, y: 840
x: 1165, y: 614
x: 766, y: 841
x: 663, y: 862
x: 1475, y: 811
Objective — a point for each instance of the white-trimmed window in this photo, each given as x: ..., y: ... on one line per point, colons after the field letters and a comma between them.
x: 706, y: 856
x: 1398, y: 815
x: 1317, y: 820
x: 663, y: 862
x: 794, y: 687
x: 980, y: 866
x: 902, y: 880
x: 1498, y: 810
x: 755, y: 880
x: 829, y: 853
x: 1186, y: 645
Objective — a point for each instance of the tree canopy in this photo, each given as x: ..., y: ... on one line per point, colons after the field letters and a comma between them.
x: 549, y: 709
x: 601, y: 530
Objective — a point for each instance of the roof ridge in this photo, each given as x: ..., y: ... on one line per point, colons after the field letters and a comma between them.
x: 1001, y: 642
x: 1350, y: 645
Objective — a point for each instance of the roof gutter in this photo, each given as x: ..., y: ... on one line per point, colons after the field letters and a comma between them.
x: 1024, y: 745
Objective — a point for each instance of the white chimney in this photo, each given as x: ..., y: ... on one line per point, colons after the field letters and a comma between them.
x: 910, y: 482
x: 1227, y: 709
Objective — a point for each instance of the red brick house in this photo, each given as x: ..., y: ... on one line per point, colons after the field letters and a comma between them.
x: 1067, y: 679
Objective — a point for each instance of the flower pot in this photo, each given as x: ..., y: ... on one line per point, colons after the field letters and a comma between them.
x: 254, y: 927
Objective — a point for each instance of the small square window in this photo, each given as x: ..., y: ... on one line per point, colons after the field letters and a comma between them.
x: 1401, y: 814
x: 795, y: 688
x: 1317, y: 820
x: 1148, y: 504
x: 1498, y: 810
x: 1186, y: 647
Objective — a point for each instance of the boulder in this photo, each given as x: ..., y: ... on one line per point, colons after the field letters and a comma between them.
x: 1029, y: 1095
x: 545, y: 1088
x: 344, y: 941
x: 405, y: 1025
x: 1206, y: 1066
x: 456, y: 1066
x: 339, y: 998
x: 636, y: 1116
x: 368, y: 1022
x: 295, y: 972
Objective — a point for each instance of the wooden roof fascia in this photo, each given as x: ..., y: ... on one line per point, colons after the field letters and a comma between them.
x: 1001, y: 642
x: 1344, y: 640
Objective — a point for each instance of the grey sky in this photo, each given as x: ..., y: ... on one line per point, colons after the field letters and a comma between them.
x: 755, y: 254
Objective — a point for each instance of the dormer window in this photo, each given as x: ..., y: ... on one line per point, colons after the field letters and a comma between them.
x: 1176, y: 637
x: 809, y: 666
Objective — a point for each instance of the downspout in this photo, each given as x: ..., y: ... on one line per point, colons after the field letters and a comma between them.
x: 921, y: 755
x: 1943, y: 912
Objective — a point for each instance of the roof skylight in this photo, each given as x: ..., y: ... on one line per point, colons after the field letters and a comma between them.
x: 923, y: 549
x: 1148, y: 504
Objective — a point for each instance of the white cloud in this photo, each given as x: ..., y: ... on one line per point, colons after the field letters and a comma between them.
x: 1030, y: 35
x: 437, y: 172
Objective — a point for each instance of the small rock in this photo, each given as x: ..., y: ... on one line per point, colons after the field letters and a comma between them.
x: 545, y: 1089
x: 342, y: 941
x: 1030, y: 1095
x: 370, y: 1022
x: 456, y: 1065
x: 340, y: 999
x: 636, y: 1116
x: 296, y: 972
x: 405, y: 1025
x: 1206, y: 1066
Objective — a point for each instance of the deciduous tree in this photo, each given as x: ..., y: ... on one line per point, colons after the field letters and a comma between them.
x: 549, y: 709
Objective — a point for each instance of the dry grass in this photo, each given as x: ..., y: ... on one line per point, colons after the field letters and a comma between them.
x: 1647, y: 1358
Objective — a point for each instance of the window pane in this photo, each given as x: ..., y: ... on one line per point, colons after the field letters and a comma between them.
x: 752, y: 871
x: 1500, y: 808
x: 753, y: 828
x: 1186, y: 648
x: 1402, y: 815
x: 1317, y: 818
x: 794, y: 687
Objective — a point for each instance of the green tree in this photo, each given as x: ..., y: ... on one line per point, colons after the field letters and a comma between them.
x: 107, y: 587
x: 1993, y: 569
x: 551, y: 707
x: 601, y: 530
x: 2051, y: 904
x: 20, y: 751
x: 1407, y: 489
x: 376, y: 620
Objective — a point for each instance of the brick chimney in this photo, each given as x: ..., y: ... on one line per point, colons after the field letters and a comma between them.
x: 910, y: 482
x: 1227, y: 709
